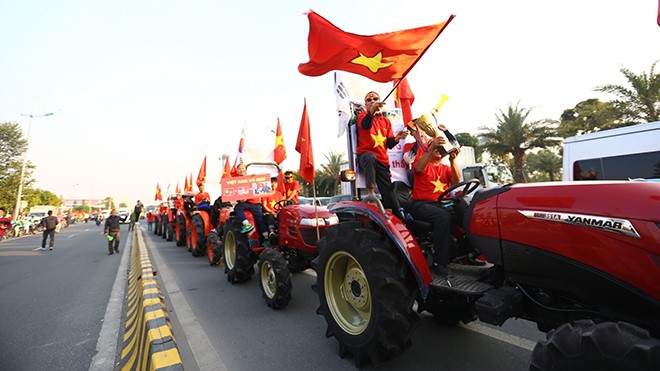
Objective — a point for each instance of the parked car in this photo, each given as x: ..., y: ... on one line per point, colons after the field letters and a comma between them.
x: 123, y: 216
x: 338, y: 198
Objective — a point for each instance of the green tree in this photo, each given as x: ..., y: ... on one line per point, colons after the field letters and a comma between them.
x: 330, y: 172
x: 588, y: 116
x: 514, y: 135
x: 467, y: 139
x: 12, y: 147
x: 543, y: 166
x: 41, y: 197
x: 639, y: 102
x: 108, y: 203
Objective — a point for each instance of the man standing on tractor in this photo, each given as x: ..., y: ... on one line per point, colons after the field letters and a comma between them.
x: 374, y: 137
x: 291, y: 187
x: 269, y: 204
x: 254, y: 205
x: 432, y: 177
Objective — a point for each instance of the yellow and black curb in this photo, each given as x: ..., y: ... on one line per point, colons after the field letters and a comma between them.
x: 148, y: 342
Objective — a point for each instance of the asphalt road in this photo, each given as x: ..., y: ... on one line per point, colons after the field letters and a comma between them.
x: 223, y: 326
x: 53, y: 303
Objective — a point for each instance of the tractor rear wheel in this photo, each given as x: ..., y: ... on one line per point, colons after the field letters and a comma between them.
x: 366, y: 293
x: 239, y: 260
x: 170, y: 230
x: 180, y: 230
x: 604, y: 346
x: 198, y: 238
x: 213, y: 248
x: 275, y: 278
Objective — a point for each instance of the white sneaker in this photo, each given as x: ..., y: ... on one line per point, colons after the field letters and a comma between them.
x: 51, y: 247
x: 43, y: 249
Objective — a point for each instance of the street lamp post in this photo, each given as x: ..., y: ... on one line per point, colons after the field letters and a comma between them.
x: 27, y: 145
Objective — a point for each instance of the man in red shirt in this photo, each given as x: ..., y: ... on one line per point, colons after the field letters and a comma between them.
x: 291, y: 187
x: 374, y: 137
x: 432, y: 177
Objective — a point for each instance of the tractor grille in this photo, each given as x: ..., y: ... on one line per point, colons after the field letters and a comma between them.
x: 308, y: 235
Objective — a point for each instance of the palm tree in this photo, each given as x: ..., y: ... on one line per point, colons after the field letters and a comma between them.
x: 515, y: 136
x: 640, y: 102
x: 332, y: 168
x: 546, y: 163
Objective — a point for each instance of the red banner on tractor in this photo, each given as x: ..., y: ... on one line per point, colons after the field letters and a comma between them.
x: 246, y: 187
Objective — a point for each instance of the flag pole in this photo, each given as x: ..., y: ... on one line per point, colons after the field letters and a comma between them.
x: 316, y: 212
x: 418, y: 58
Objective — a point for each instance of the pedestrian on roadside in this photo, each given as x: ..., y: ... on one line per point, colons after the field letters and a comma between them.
x: 49, y: 223
x: 150, y: 221
x: 137, y: 210
x: 111, y: 230
x: 131, y: 221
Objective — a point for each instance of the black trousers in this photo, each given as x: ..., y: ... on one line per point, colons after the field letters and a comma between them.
x: 432, y: 212
x: 115, y: 240
x: 51, y: 233
x: 376, y: 173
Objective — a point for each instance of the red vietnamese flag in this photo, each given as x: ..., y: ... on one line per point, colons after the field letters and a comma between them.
x: 304, y: 147
x: 190, y: 184
x: 185, y: 185
x: 382, y: 57
x: 239, y: 155
x: 201, y: 176
x: 227, y: 170
x: 159, y: 195
x: 178, y: 190
x: 404, y: 100
x: 279, y: 153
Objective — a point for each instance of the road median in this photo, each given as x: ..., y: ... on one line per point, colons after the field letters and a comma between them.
x: 148, y: 342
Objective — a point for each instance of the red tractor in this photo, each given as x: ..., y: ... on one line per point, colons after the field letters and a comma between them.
x: 581, y: 260
x: 290, y: 249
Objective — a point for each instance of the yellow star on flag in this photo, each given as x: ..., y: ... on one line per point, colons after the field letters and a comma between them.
x: 372, y: 63
x: 279, y: 141
x: 439, y: 185
x: 379, y: 139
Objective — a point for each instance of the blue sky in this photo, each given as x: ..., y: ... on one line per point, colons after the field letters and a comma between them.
x: 146, y: 89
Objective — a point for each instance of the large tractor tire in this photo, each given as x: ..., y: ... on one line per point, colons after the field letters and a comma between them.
x: 275, y: 278
x: 170, y: 230
x: 180, y: 230
x: 366, y: 293
x: 163, y: 227
x: 157, y: 227
x: 604, y: 346
x: 213, y: 248
x: 198, y: 237
x: 239, y: 259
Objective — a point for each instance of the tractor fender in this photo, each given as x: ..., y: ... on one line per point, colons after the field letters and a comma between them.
x: 400, y: 235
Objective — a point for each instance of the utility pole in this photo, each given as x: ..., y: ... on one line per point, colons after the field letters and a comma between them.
x: 27, y: 146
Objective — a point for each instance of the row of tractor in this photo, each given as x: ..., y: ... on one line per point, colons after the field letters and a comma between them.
x: 582, y: 264
x: 213, y: 231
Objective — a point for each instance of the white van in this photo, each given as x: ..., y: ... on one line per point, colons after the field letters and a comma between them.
x: 631, y: 152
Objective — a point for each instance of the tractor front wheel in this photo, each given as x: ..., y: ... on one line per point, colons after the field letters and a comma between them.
x: 180, y: 230
x: 213, y: 244
x: 604, y: 346
x: 239, y: 259
x: 198, y: 238
x: 275, y: 278
x: 366, y: 293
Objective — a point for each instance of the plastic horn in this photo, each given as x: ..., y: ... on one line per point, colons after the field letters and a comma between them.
x: 443, y: 99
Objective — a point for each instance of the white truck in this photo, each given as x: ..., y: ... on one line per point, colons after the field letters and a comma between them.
x: 631, y: 152
x: 489, y: 175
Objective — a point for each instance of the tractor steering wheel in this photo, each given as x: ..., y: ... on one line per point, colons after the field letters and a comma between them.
x: 469, y: 186
x: 281, y: 203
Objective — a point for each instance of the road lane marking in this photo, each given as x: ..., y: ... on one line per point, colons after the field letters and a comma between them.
x: 205, y: 355
x: 73, y: 235
x: 106, y: 346
x: 481, y: 329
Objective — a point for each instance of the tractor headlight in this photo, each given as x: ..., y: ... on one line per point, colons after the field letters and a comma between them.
x: 332, y: 220
x: 312, y: 222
